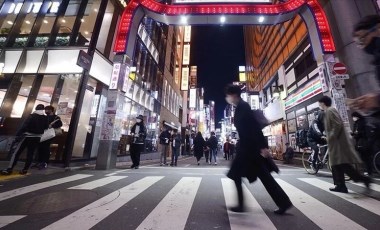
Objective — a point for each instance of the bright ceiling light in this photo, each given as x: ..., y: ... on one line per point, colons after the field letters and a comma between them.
x: 223, y: 19
x: 63, y: 21
x: 261, y: 19
x: 46, y: 21
x: 27, y: 22
x: 10, y: 22
x: 85, y: 32
x: 183, y: 20
x: 82, y: 20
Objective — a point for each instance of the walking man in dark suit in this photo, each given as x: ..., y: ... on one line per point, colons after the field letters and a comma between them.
x: 249, y: 161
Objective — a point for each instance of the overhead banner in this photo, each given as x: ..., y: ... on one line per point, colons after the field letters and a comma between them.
x: 193, y: 77
x: 193, y: 96
x: 187, y: 36
x: 185, y: 79
x: 186, y: 55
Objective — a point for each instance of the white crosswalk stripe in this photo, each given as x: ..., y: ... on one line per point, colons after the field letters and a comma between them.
x: 177, y: 210
x: 98, y: 183
x: 254, y: 219
x: 5, y: 220
x: 35, y: 187
x: 90, y: 215
x: 173, y: 211
x: 321, y: 214
x: 374, y: 187
x: 365, y: 202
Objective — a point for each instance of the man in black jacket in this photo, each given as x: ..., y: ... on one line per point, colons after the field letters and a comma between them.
x: 138, y: 133
x: 28, y: 137
x: 315, y: 135
x: 165, y: 137
x: 249, y: 161
x: 213, y: 146
x: 55, y: 122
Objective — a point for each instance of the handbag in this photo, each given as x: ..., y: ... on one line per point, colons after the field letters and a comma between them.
x: 58, y: 131
x: 48, y: 134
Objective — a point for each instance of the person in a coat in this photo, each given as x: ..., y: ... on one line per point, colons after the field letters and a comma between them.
x: 28, y: 136
x: 176, y: 146
x: 341, y: 151
x: 55, y: 122
x: 249, y: 161
x: 199, y: 144
x: 359, y: 132
x: 138, y: 133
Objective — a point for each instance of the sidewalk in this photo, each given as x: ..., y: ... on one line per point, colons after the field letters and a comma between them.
x: 122, y: 162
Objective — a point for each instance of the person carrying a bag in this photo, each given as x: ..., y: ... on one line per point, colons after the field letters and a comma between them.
x: 44, y: 147
x: 28, y: 137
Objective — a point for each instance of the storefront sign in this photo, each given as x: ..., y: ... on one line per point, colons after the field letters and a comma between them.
x: 35, y: 7
x: 323, y: 78
x: 126, y: 79
x: 84, y: 60
x: 193, y: 95
x: 193, y: 77
x: 308, y: 91
x: 115, y: 76
x: 222, y: 1
x: 335, y: 71
x: 187, y: 36
x: 186, y: 55
x: 340, y: 104
x: 185, y: 79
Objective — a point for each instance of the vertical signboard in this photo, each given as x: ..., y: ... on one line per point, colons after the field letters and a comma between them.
x: 115, y: 76
x: 193, y: 96
x: 185, y: 79
x: 186, y: 55
x: 187, y: 36
x: 193, y: 77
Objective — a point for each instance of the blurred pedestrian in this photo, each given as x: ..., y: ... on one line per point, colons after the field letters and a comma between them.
x: 138, y: 133
x: 176, y: 146
x: 359, y: 133
x: 28, y: 136
x: 289, y: 154
x: 232, y: 150
x: 199, y: 144
x: 341, y: 152
x: 315, y: 136
x: 165, y: 144
x: 213, y: 145
x: 367, y: 36
x: 207, y: 151
x: 226, y: 149
x: 249, y: 160
x: 55, y: 122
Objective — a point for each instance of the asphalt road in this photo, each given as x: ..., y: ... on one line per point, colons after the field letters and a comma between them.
x: 184, y: 197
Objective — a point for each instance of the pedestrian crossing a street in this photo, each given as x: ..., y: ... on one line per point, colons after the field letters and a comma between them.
x: 178, y: 196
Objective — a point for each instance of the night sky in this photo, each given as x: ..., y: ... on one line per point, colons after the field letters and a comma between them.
x: 217, y: 51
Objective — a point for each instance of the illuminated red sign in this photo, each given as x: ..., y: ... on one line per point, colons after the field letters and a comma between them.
x: 238, y: 9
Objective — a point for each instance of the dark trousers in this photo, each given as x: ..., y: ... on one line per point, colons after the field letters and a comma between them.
x: 31, y: 143
x: 44, y: 151
x: 135, y: 151
x: 313, y: 145
x: 273, y: 188
x: 175, y: 153
x: 207, y: 154
x: 338, y: 172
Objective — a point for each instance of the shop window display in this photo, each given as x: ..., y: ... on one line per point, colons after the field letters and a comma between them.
x: 46, y: 91
x: 22, y: 98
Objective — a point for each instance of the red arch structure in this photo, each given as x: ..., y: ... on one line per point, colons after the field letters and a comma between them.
x: 244, y: 13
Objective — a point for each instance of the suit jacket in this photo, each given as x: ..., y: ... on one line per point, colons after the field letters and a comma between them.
x: 341, y: 150
x: 248, y: 159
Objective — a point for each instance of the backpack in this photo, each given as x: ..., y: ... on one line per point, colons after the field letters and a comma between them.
x: 301, y: 138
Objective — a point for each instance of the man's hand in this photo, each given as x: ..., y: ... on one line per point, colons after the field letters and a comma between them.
x: 364, y: 103
x: 265, y: 153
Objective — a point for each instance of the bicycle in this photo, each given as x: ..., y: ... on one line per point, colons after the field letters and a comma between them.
x: 307, y: 160
x: 376, y: 162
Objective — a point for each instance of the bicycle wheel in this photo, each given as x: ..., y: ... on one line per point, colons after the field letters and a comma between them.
x: 307, y: 163
x: 376, y: 162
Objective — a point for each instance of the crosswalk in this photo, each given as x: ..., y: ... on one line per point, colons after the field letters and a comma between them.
x: 177, y: 198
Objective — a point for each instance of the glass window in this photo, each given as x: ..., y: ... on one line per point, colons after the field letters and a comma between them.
x: 88, y: 22
x: 22, y: 98
x: 67, y: 23
x: 46, y: 91
x: 67, y: 99
x: 47, y: 24
x: 105, y: 28
x: 2, y: 95
x: 11, y: 9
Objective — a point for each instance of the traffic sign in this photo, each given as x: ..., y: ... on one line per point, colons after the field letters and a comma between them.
x: 339, y: 68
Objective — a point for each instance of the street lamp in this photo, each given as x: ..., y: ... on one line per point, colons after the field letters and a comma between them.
x: 277, y: 91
